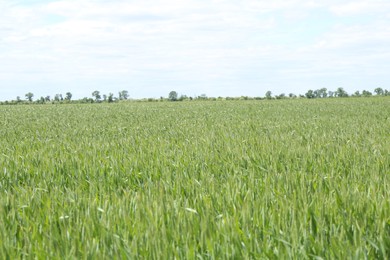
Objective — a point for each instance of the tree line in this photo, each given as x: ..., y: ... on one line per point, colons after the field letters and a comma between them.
x: 98, y: 97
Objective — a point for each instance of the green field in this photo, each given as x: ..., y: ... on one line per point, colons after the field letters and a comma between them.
x: 224, y: 179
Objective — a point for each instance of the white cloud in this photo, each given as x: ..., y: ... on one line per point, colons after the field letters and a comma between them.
x: 361, y: 7
x: 186, y: 44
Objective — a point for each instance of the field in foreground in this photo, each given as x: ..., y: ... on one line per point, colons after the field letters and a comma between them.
x: 239, y: 179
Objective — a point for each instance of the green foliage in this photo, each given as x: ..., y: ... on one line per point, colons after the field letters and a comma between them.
x: 268, y: 95
x: 294, y: 179
x: 58, y: 98
x: 318, y: 93
x: 96, y: 95
x: 340, y: 92
x: 68, y: 96
x: 379, y: 91
x: 110, y: 98
x: 310, y: 94
x: 173, y: 96
x: 124, y: 94
x: 366, y: 93
x: 29, y: 96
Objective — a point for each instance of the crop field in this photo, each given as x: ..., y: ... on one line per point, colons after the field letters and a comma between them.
x: 209, y: 180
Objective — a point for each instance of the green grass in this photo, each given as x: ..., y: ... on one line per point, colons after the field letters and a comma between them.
x: 240, y: 179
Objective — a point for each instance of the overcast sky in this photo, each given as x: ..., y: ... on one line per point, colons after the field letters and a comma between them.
x: 212, y: 47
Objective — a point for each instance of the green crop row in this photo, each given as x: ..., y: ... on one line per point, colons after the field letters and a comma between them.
x: 246, y: 179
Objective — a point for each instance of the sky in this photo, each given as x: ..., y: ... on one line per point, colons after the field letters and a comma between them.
x: 213, y: 47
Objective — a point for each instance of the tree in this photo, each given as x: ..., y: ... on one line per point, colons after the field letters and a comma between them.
x: 29, y: 96
x: 268, y: 95
x: 379, y: 91
x: 323, y: 93
x: 96, y: 95
x: 68, y: 96
x: 58, y: 97
x: 124, y: 94
x: 203, y: 97
x: 110, y: 98
x: 183, y: 97
x: 18, y: 99
x: 310, y: 94
x: 366, y: 93
x: 340, y: 92
x: 172, y: 96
